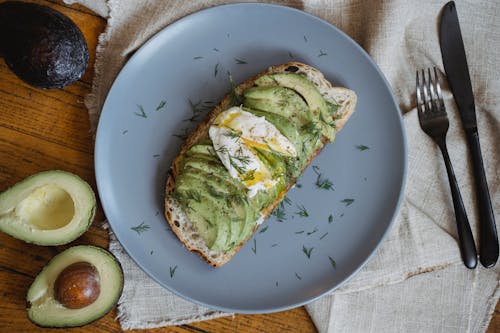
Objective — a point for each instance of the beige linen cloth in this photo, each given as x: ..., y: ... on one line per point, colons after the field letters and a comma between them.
x: 415, y: 282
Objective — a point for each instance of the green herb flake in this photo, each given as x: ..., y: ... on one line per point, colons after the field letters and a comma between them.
x: 298, y: 185
x: 362, y: 147
x: 156, y: 155
x: 161, y: 105
x: 172, y: 271
x: 312, y: 232
x: 263, y: 230
x: 198, y: 109
x: 141, y: 112
x: 347, y: 202
x: 236, y: 99
x: 322, y: 53
x: 290, y: 55
x: 183, y: 135
x: 305, y: 38
x: 274, y: 245
x: 254, y: 248
x: 140, y: 228
x: 240, y: 61
x: 279, y: 213
x: 307, y: 251
x: 276, y: 283
x: 124, y: 132
x: 332, y: 262
x: 151, y: 252
x: 321, y: 182
x: 323, y: 236
x: 215, y: 49
x: 302, y: 211
x: 216, y: 69
x: 342, y: 215
x: 287, y: 200
x: 197, y: 58
x: 299, y: 232
x: 330, y: 218
x: 298, y: 276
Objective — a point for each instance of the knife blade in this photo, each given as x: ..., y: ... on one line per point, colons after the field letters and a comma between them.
x: 457, y: 72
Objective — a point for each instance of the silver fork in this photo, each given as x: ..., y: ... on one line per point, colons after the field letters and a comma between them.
x: 434, y: 122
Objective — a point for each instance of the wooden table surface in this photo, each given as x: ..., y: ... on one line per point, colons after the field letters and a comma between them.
x: 44, y: 130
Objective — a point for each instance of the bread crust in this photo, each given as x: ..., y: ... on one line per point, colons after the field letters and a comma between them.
x: 201, y: 132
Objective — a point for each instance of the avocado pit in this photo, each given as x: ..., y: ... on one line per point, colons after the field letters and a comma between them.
x: 77, y: 286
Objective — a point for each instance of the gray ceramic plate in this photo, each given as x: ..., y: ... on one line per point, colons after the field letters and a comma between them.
x: 286, y: 263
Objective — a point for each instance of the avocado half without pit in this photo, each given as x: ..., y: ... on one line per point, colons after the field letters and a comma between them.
x: 41, y: 46
x: 76, y: 287
x: 48, y: 208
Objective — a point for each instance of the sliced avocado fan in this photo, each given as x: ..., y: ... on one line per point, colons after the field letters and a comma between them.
x: 48, y: 208
x: 43, y: 301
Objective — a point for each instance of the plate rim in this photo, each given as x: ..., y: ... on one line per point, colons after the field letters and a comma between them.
x: 394, y: 101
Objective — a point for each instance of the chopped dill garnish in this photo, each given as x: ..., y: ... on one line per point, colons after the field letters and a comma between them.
x: 332, y: 262
x: 198, y: 108
x: 274, y: 245
x: 305, y: 38
x: 240, y: 61
x: 216, y: 69
x: 279, y: 213
x: 232, y: 134
x: 312, y: 232
x: 322, y: 183
x: 140, y: 228
x: 298, y: 276
x: 215, y: 49
x: 330, y: 218
x: 287, y: 200
x: 263, y: 230
x: 324, y: 235
x: 172, y: 271
x: 299, y: 232
x: 362, y: 147
x: 347, y: 202
x: 302, y: 212
x: 249, y: 175
x: 235, y: 98
x: 161, y: 105
x: 307, y: 251
x: 290, y: 54
x: 197, y: 58
x: 183, y: 135
x: 254, y: 248
x: 142, y: 112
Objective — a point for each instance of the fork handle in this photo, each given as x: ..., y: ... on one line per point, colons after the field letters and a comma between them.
x: 466, y: 240
x: 488, y: 239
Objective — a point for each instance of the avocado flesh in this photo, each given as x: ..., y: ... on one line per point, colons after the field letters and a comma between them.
x: 302, y: 127
x: 282, y: 101
x: 44, y: 310
x: 317, y: 104
x: 48, y: 208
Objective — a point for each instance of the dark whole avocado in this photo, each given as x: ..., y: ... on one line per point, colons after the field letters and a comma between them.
x: 41, y: 46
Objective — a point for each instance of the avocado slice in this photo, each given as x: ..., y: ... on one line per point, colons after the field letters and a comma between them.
x: 282, y: 101
x: 311, y: 95
x: 43, y: 305
x: 48, y: 208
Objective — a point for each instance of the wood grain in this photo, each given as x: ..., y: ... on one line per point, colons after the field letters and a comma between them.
x: 42, y: 130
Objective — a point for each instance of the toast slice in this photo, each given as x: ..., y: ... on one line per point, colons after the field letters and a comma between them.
x: 178, y: 219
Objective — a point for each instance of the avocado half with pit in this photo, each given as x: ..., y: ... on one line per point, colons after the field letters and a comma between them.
x: 76, y: 287
x: 48, y: 208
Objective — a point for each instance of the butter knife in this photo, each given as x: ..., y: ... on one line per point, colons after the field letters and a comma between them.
x: 457, y: 72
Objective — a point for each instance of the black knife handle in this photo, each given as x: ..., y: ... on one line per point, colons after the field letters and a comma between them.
x: 465, y: 238
x: 488, y: 239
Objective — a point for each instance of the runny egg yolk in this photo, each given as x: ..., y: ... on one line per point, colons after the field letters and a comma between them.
x: 236, y: 134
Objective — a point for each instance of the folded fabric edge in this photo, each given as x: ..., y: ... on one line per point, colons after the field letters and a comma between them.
x: 490, y: 309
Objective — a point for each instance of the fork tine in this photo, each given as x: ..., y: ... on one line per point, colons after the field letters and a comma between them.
x: 438, y: 89
x: 425, y: 87
x: 433, y: 95
x: 420, y: 102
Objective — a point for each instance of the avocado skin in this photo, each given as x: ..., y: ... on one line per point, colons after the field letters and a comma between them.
x: 105, y: 312
x: 43, y: 47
